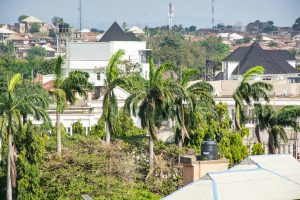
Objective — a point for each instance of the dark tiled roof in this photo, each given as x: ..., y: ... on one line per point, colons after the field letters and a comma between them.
x: 115, y: 33
x: 274, y: 61
x: 240, y: 53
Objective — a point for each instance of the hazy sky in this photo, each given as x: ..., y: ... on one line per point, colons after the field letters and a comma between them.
x: 101, y: 13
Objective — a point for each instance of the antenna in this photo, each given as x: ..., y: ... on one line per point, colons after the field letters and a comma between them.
x: 79, y: 9
x: 213, y: 13
x: 171, y: 15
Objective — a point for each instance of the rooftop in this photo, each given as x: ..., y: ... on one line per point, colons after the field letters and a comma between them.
x: 257, y: 177
x: 274, y: 61
x: 32, y: 19
x: 115, y: 33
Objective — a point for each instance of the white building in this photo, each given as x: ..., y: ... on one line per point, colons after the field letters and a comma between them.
x: 93, y: 57
x: 278, y: 64
x: 231, y: 36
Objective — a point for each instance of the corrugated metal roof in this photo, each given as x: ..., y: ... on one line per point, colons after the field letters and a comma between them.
x: 257, y: 177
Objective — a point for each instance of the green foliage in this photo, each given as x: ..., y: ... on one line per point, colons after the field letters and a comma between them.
x: 63, y: 131
x: 272, y: 44
x: 98, y: 129
x: 215, y: 50
x: 22, y: 17
x: 231, y: 146
x: 257, y: 149
x: 35, y: 28
x: 125, y: 126
x: 57, y: 20
x: 91, y: 167
x: 244, y: 40
x: 171, y: 47
x: 258, y: 37
x: 30, y: 143
x: 296, y: 25
x: 34, y: 52
x: 78, y: 128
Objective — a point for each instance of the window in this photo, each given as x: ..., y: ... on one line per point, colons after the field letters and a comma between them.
x: 98, y: 76
x: 69, y: 129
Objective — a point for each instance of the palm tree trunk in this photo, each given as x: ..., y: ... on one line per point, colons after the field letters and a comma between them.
x: 58, y: 134
x: 151, y: 152
x: 107, y: 138
x: 8, y: 182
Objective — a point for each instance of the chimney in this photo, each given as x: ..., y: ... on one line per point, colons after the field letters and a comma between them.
x: 195, y: 167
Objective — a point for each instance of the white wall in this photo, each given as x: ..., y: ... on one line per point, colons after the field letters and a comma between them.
x: 292, y: 62
x: 231, y: 65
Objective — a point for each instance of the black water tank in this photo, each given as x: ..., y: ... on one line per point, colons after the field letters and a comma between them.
x: 209, y: 150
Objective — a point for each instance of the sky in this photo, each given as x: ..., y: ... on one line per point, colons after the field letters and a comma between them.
x: 101, y: 14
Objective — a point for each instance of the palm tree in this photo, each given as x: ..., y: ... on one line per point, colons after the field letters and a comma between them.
x: 274, y: 122
x: 110, y: 104
x: 185, y: 102
x: 246, y: 92
x: 11, y: 109
x: 65, y: 90
x: 151, y: 102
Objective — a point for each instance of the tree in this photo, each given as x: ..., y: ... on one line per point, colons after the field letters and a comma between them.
x: 11, y: 123
x: 35, y: 28
x: 65, y: 90
x: 258, y: 38
x: 257, y: 149
x: 187, y: 100
x: 110, y: 104
x: 215, y: 50
x: 34, y: 52
x: 151, y: 103
x: 296, y: 25
x: 274, y: 123
x: 78, y: 128
x: 272, y: 44
x: 57, y: 20
x: 192, y: 29
x: 21, y: 18
x: 246, y: 92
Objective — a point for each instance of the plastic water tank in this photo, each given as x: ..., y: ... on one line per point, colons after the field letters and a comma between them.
x: 209, y: 150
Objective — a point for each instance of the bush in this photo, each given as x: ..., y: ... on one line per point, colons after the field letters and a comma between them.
x: 62, y: 131
x: 78, y: 128
x: 231, y: 146
x: 258, y: 149
x: 98, y: 129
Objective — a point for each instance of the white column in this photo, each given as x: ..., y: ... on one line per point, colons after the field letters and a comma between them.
x: 285, y: 149
x: 280, y: 148
x: 71, y: 130
x: 291, y: 148
x: 266, y: 149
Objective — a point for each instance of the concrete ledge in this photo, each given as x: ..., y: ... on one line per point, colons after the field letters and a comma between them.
x: 194, y: 169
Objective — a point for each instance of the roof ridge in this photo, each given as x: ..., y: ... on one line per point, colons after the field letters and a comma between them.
x: 244, y: 59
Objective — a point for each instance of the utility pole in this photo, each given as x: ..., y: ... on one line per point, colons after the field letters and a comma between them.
x: 80, y: 22
x: 213, y: 13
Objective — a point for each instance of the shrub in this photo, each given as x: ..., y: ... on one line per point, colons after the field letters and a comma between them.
x: 258, y: 149
x: 78, y: 128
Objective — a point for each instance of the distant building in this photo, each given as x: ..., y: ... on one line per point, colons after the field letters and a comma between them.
x: 278, y: 64
x: 230, y: 36
x: 28, y: 21
x: 5, y: 34
x: 93, y: 57
x: 20, y: 28
x: 259, y: 27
